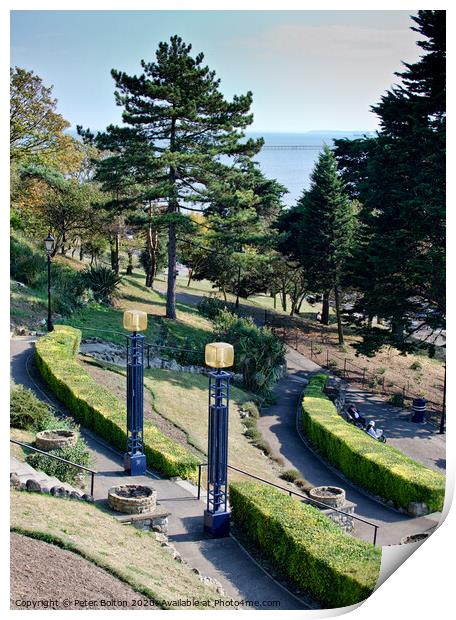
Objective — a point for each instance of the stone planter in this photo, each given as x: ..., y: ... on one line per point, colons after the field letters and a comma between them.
x: 56, y: 439
x: 132, y: 498
x: 333, y: 497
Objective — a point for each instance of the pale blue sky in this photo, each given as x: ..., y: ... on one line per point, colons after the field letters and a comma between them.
x: 308, y: 70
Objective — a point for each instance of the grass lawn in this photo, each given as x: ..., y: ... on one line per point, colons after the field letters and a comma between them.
x: 104, y: 322
x: 23, y: 436
x: 182, y: 399
x: 101, y: 539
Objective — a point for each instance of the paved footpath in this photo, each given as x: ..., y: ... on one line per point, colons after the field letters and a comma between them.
x: 222, y: 559
x: 278, y: 426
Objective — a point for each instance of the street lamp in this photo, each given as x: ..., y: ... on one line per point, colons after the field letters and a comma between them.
x: 134, y: 458
x: 49, y: 244
x: 218, y: 355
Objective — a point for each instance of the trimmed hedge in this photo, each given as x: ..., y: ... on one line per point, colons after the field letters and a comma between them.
x: 379, y: 468
x: 97, y: 408
x: 307, y: 547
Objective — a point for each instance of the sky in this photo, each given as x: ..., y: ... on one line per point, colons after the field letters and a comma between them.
x: 308, y: 70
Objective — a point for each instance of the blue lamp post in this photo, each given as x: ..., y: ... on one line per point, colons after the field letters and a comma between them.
x: 218, y: 355
x: 134, y: 457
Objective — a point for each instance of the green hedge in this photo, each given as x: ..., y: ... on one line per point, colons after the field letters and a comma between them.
x: 97, y: 408
x: 377, y: 467
x: 307, y: 547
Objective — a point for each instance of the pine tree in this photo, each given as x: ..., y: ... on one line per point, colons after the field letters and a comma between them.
x: 320, y: 232
x: 177, y: 126
x: 399, y: 177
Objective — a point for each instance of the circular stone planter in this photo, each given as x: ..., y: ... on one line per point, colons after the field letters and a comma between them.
x: 132, y: 498
x: 333, y: 497
x: 413, y: 538
x: 56, y: 439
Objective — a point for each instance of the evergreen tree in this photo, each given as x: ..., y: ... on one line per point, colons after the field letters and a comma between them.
x: 177, y: 126
x: 320, y: 232
x: 399, y: 178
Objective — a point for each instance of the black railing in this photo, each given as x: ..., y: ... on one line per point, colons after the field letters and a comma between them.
x: 59, y: 458
x: 304, y: 498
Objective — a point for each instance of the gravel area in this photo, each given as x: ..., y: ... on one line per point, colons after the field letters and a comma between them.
x: 44, y: 576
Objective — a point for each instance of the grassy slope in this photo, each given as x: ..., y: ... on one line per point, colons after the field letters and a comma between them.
x: 134, y: 295
x: 182, y: 398
x: 101, y: 539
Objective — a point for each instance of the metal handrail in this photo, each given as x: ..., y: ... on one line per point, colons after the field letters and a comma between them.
x: 59, y: 458
x: 290, y: 492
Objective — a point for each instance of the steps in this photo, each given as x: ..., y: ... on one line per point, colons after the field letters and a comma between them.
x: 23, y: 472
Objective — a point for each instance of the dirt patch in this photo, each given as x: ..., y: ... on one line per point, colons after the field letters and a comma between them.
x: 116, y: 383
x: 46, y: 575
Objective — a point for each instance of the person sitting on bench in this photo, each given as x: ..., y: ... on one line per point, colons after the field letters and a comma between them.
x: 354, y: 415
x: 373, y: 432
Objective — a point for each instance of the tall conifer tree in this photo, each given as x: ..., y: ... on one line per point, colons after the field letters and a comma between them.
x: 178, y: 125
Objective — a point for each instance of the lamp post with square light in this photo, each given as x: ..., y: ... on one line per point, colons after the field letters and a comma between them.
x: 49, y: 244
x: 134, y: 458
x: 218, y: 355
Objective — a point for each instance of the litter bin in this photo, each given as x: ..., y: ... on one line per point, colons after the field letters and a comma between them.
x: 418, y: 409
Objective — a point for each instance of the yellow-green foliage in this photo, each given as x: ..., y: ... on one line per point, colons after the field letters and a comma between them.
x: 97, y: 408
x: 379, y: 468
x: 309, y: 548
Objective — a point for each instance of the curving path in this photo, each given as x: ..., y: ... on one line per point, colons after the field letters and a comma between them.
x: 278, y: 426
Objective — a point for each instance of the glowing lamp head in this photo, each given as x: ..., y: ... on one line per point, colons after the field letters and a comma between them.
x: 135, y: 320
x: 219, y: 355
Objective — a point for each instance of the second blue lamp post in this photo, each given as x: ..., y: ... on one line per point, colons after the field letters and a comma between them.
x: 134, y: 458
x: 218, y: 355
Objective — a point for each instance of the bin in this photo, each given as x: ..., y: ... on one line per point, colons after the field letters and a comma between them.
x: 418, y: 410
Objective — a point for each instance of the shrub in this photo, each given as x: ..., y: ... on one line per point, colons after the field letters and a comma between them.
x: 97, y: 408
x: 210, y: 307
x: 304, y: 484
x: 252, y: 409
x: 258, y: 351
x: 397, y: 399
x: 263, y: 445
x: 253, y: 433
x: 26, y: 263
x: 102, y: 281
x: 290, y: 475
x: 377, y: 467
x: 416, y: 366
x: 27, y: 411
x: 64, y: 472
x: 307, y: 547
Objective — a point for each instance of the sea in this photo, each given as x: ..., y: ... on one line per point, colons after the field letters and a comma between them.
x: 290, y: 157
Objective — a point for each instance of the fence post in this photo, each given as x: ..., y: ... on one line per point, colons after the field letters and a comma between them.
x: 148, y: 356
x: 199, y: 481
x: 92, y: 483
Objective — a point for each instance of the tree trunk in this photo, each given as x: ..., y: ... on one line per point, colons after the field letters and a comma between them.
x: 284, y: 299
x: 63, y: 248
x: 130, y: 263
x: 81, y: 253
x: 275, y: 301
x: 171, y: 291
x: 190, y: 273
x: 340, y: 329
x: 325, y: 309
x: 116, y: 255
